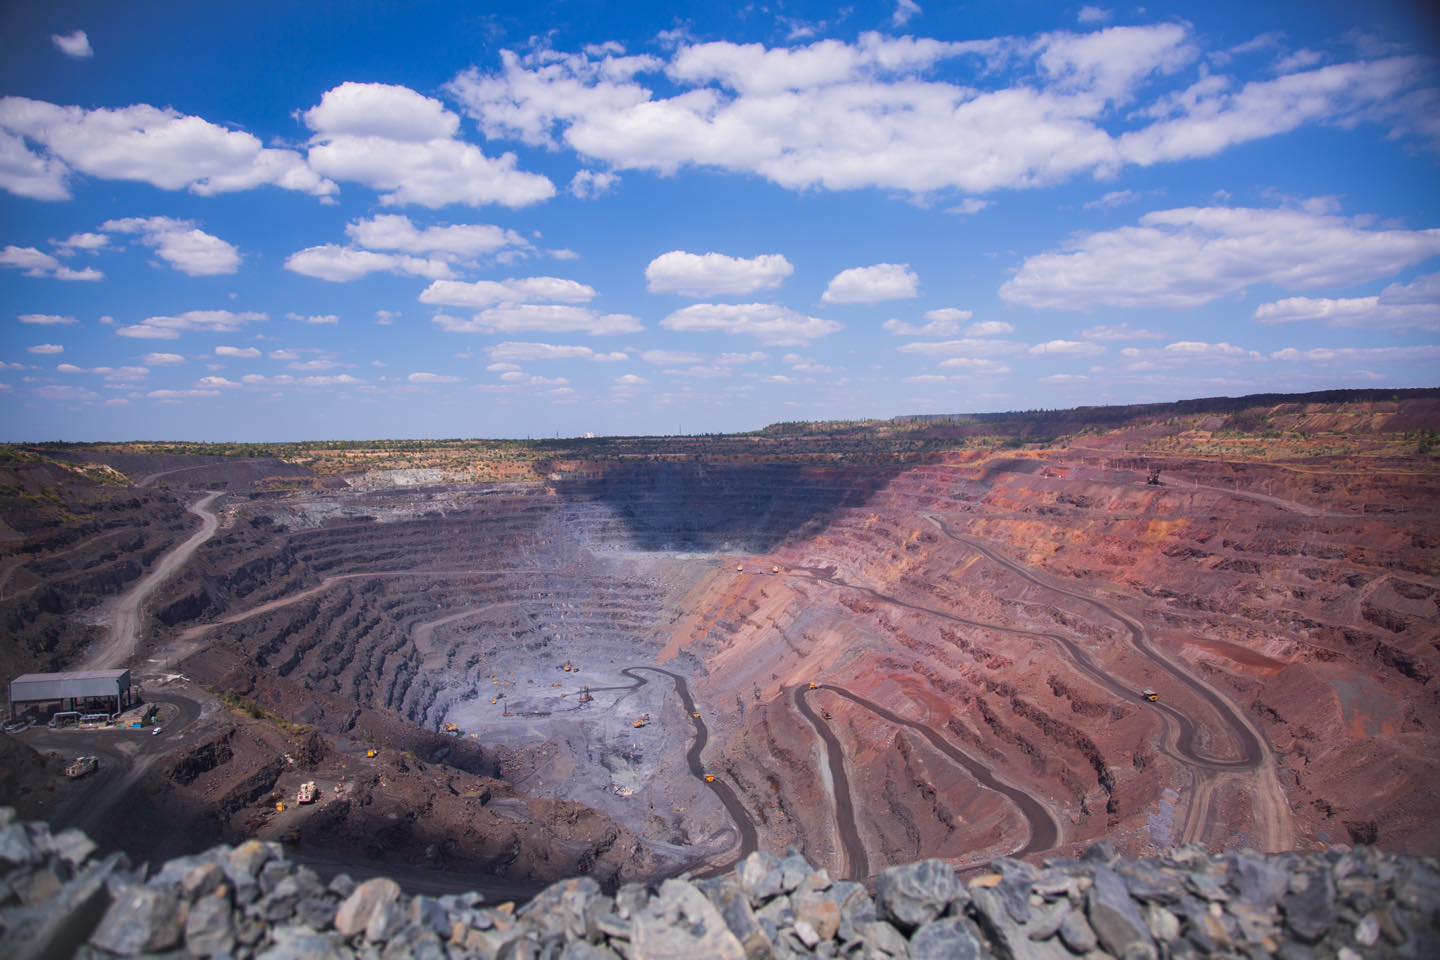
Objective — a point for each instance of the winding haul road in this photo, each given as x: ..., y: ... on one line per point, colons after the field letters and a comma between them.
x: 1044, y: 827
x: 126, y: 756
x: 749, y: 836
x: 122, y: 635
x: 1252, y: 749
x: 1181, y: 740
x: 1255, y: 762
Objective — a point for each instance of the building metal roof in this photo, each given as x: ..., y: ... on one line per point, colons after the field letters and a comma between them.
x: 61, y: 686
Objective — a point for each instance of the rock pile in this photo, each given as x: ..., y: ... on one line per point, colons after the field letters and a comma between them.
x: 57, y: 900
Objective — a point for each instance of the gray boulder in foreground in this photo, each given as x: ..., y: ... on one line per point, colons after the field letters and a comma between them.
x: 58, y: 900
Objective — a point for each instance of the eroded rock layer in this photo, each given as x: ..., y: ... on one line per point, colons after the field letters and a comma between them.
x: 637, y: 664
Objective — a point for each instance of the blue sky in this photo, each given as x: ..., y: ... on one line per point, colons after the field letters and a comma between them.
x: 286, y: 221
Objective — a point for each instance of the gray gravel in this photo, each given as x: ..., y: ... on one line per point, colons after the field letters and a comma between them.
x: 57, y: 899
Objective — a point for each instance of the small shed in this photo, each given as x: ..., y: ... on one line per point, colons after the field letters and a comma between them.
x: 73, y: 691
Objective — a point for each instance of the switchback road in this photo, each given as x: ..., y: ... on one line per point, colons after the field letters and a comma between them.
x: 1180, y: 740
x: 1256, y: 758
x: 749, y: 836
x: 1044, y: 827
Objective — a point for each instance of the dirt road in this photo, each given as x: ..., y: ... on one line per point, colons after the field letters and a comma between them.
x: 1292, y: 506
x: 857, y: 861
x: 123, y: 633
x: 1256, y: 758
x: 1251, y: 746
x: 749, y: 836
x: 1044, y: 825
x: 124, y: 755
x: 1180, y: 731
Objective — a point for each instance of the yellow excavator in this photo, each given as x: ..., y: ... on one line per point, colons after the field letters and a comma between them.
x: 814, y: 685
x: 709, y: 778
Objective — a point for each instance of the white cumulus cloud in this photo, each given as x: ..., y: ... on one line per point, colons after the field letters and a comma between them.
x: 1011, y: 113
x: 769, y: 323
x: 905, y: 11
x: 487, y: 293
x: 403, y: 144
x: 1195, y: 255
x: 192, y: 321
x: 512, y: 351
x: 589, y: 184
x: 42, y: 144
x: 964, y: 347
x: 540, y: 318
x: 238, y: 353
x: 943, y: 322
x: 339, y: 264
x: 1119, y: 331
x: 38, y: 263
x: 883, y: 281
x: 181, y: 244
x: 1067, y: 348
x: 82, y: 242
x: 989, y: 328
x: 1414, y: 306
x: 422, y: 377
x: 75, y: 44
x: 46, y: 320
x: 715, y: 274
x: 462, y: 240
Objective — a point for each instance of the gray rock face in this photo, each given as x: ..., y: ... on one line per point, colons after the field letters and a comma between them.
x: 819, y: 912
x: 15, y: 845
x: 252, y: 902
x: 210, y: 928
x: 141, y: 920
x: 249, y: 857
x: 1115, y: 917
x: 948, y: 939
x: 560, y: 907
x: 1076, y: 933
x: 761, y: 876
x: 1310, y: 905
x: 742, y: 923
x: 72, y: 846
x: 681, y: 923
x: 1031, y: 940
x: 881, y: 936
x: 355, y: 913
x: 917, y: 893
x: 300, y: 943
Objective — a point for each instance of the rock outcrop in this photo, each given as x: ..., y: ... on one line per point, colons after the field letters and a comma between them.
x: 57, y: 900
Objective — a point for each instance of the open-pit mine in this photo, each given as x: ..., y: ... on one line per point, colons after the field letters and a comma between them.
x: 1212, y: 622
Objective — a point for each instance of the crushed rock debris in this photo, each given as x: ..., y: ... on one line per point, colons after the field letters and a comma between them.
x: 58, y: 899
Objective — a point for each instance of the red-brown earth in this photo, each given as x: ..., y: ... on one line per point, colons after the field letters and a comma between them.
x: 979, y: 622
